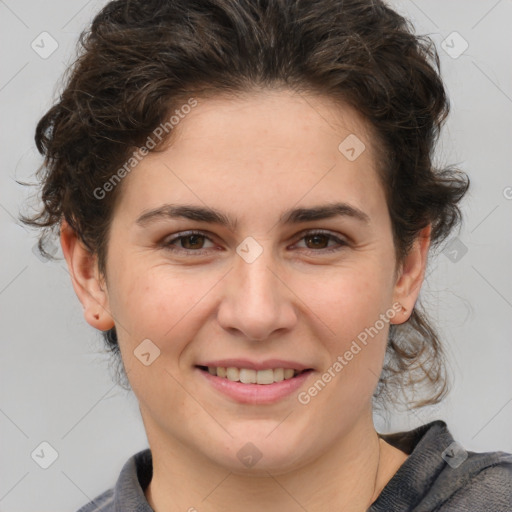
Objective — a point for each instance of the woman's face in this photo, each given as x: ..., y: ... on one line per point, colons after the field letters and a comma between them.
x: 263, y: 288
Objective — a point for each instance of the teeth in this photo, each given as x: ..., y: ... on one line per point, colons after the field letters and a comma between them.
x: 289, y: 373
x: 232, y: 374
x: 248, y: 376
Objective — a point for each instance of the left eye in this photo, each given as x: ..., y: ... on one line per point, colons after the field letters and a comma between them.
x: 191, y: 242
x: 316, y: 235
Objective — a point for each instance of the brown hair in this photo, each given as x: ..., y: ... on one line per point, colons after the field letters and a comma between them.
x: 140, y: 60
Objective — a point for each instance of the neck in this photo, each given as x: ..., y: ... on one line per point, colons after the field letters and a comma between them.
x: 351, y: 473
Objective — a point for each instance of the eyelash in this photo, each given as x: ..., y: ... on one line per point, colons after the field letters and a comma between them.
x: 201, y: 252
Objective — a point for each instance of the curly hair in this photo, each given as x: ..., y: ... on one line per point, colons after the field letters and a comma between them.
x: 141, y: 59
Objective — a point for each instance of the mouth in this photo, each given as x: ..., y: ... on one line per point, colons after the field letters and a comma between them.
x: 254, y: 387
x: 251, y: 376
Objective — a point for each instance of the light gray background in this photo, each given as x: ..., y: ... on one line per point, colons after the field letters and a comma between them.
x: 55, y: 383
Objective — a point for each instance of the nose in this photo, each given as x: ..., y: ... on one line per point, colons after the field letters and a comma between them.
x: 257, y: 301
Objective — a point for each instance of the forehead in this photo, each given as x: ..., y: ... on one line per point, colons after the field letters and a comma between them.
x: 270, y: 120
x: 252, y: 152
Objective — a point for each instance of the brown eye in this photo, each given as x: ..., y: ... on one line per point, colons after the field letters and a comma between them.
x: 317, y: 242
x: 195, y: 241
x: 190, y: 242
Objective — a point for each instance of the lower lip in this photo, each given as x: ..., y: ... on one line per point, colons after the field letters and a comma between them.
x: 256, y: 393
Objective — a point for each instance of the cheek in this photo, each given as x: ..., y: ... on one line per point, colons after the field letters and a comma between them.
x: 146, y: 298
x: 347, y: 306
x: 354, y: 335
x: 162, y: 305
x: 347, y: 299
x: 156, y: 305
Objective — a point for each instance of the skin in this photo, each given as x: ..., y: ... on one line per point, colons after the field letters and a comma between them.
x: 254, y: 157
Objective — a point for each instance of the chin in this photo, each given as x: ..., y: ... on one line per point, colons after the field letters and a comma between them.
x: 261, y: 456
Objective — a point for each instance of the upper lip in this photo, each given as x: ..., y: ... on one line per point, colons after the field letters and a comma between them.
x: 255, y: 365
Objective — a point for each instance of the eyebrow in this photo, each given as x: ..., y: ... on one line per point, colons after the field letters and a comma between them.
x: 213, y: 216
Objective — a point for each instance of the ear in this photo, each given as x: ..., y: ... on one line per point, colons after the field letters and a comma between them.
x: 411, y: 274
x: 87, y: 282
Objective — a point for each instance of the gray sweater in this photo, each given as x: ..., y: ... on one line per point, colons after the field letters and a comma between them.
x: 438, y: 476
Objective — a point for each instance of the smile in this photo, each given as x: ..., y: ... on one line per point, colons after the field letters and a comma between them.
x: 250, y: 376
x: 258, y: 388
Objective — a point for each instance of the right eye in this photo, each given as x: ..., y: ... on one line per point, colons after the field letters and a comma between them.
x: 192, y: 238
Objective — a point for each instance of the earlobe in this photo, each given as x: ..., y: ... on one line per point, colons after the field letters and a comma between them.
x: 410, y: 279
x: 89, y: 287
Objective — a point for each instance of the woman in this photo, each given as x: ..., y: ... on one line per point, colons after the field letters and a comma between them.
x: 246, y: 202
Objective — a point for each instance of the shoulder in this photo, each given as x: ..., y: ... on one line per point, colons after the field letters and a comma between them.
x: 483, y: 482
x: 463, y: 480
x: 439, y: 475
x: 102, y: 503
x: 128, y: 492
